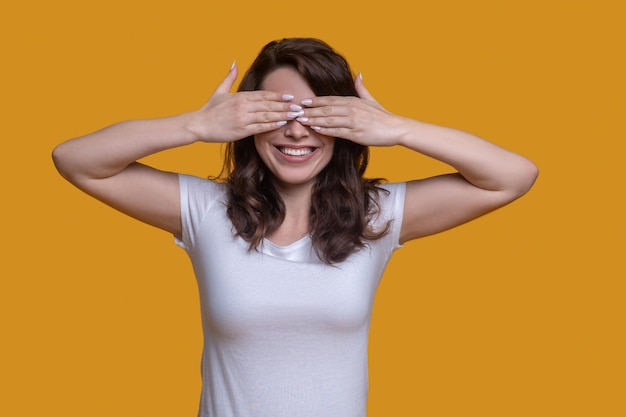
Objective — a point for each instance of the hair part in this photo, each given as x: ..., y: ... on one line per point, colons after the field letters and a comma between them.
x: 344, y: 204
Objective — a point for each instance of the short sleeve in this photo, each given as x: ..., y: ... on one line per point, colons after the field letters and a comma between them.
x: 392, y: 209
x: 197, y: 196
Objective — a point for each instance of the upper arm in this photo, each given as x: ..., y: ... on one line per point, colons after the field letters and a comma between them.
x: 147, y: 194
x: 435, y: 204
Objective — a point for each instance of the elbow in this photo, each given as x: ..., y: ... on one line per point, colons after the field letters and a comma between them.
x: 525, y: 176
x: 530, y: 174
x: 59, y: 160
x: 62, y: 160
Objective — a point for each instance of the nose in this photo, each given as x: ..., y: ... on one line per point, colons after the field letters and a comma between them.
x: 296, y: 130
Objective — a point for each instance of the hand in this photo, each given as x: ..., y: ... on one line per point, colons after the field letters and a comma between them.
x: 228, y: 117
x: 359, y: 119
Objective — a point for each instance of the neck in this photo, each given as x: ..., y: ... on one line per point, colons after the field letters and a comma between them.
x: 297, y: 201
x: 297, y: 208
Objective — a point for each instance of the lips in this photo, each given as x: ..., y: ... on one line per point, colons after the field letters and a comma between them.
x: 296, y: 151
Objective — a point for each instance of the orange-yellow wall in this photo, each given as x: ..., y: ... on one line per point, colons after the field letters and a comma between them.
x: 519, y: 313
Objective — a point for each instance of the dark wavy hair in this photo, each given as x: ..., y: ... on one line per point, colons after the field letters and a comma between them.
x: 343, y: 203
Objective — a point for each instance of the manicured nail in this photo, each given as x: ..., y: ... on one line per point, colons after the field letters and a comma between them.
x: 287, y: 97
x: 306, y: 102
x: 361, y: 76
x: 233, y: 65
x: 315, y: 127
x: 295, y: 113
x: 295, y: 107
x: 302, y: 119
x: 281, y: 123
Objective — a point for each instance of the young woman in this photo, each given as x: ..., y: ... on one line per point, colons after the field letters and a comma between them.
x: 289, y: 248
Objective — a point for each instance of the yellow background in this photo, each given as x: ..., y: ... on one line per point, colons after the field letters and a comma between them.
x: 520, y: 313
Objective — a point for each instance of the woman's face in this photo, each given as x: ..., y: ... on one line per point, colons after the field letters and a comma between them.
x: 295, y: 154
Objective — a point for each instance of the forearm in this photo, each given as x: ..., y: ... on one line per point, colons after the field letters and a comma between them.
x: 106, y: 152
x: 483, y: 164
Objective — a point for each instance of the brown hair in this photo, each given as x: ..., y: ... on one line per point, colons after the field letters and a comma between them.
x: 343, y: 203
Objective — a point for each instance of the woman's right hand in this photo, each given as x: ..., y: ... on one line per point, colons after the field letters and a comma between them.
x: 103, y: 163
x: 228, y: 117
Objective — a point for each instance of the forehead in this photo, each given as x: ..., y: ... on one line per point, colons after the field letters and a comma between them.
x: 287, y: 80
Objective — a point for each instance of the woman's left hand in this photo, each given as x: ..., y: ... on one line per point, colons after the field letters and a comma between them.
x: 359, y: 119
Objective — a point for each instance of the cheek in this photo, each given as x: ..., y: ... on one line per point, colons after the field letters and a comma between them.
x: 329, y: 143
x: 261, y: 145
x: 259, y: 142
x: 262, y: 139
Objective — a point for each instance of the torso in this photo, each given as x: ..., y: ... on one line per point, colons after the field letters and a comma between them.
x: 285, y: 334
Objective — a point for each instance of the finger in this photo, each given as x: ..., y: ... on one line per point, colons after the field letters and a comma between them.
x: 227, y: 83
x: 327, y: 101
x: 256, y: 128
x: 361, y: 90
x: 328, y: 111
x: 272, y: 106
x: 252, y: 118
x: 327, y: 122
x: 337, y: 132
x: 264, y: 95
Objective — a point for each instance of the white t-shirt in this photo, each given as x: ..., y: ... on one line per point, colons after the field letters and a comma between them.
x: 285, y: 335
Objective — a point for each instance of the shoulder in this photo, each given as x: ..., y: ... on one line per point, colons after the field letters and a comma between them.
x: 197, y: 187
x: 198, y: 198
x: 391, y: 199
x: 390, y: 211
x: 200, y: 193
x: 193, y: 183
x: 395, y: 188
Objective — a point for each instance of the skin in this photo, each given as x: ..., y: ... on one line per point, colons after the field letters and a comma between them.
x: 294, y: 177
x: 103, y: 164
x: 488, y: 176
x: 292, y: 172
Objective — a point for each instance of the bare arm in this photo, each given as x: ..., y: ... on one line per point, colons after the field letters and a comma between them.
x: 103, y: 163
x: 488, y: 176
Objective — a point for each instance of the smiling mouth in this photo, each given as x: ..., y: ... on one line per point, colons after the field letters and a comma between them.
x: 296, y: 151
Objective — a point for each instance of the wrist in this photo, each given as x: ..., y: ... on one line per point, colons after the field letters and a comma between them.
x: 406, y: 132
x: 190, y: 127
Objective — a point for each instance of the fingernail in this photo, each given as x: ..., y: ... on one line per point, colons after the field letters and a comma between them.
x: 281, y: 123
x: 295, y: 113
x: 361, y: 76
x: 302, y: 119
x: 315, y: 127
x: 295, y: 107
x: 287, y: 97
x: 233, y: 64
x: 306, y: 101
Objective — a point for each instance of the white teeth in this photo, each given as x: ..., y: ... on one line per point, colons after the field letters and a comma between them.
x: 296, y: 152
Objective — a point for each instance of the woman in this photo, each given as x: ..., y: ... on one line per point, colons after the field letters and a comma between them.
x: 288, y: 249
